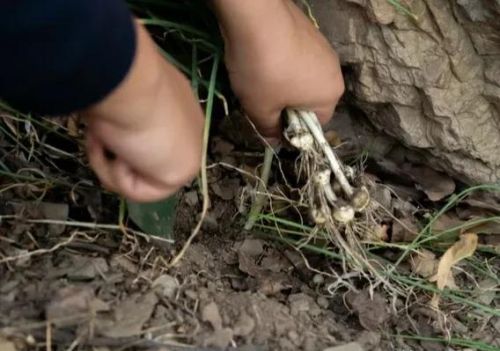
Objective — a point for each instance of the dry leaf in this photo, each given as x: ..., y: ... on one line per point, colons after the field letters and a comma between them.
x: 446, y: 222
x: 128, y: 317
x: 221, y: 147
x: 463, y: 248
x: 434, y: 184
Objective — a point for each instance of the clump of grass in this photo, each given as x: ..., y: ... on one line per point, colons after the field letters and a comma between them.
x: 408, y: 285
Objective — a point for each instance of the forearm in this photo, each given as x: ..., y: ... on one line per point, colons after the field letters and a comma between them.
x: 242, y: 19
x: 61, y: 56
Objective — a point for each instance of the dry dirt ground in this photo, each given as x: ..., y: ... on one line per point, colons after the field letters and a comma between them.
x: 69, y: 286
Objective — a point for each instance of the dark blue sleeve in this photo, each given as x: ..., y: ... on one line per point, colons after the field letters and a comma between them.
x: 59, y: 56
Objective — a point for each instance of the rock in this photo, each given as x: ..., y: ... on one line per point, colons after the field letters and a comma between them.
x: 251, y: 247
x: 300, y: 303
x: 244, y: 326
x: 167, y: 285
x: 369, y: 339
x: 372, y: 312
x: 220, y: 339
x: 210, y: 222
x: 191, y: 198
x: 210, y: 313
x: 6, y: 345
x: 429, y: 80
x: 322, y: 302
x: 352, y: 346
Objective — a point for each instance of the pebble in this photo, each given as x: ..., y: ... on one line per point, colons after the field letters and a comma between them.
x: 168, y: 285
x: 323, y: 302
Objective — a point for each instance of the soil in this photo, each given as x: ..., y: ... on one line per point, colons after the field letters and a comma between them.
x: 109, y: 291
x: 68, y: 287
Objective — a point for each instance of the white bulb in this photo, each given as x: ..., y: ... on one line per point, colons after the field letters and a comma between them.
x: 344, y: 214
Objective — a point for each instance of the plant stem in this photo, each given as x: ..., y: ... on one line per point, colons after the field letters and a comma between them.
x: 260, y: 197
x: 312, y: 123
x: 204, y: 181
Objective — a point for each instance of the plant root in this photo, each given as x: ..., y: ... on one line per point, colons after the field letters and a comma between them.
x: 338, y: 197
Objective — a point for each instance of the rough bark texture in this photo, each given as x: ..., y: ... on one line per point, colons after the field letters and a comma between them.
x: 431, y: 81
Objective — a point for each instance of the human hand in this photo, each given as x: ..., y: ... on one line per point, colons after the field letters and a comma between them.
x: 151, y: 124
x: 276, y: 59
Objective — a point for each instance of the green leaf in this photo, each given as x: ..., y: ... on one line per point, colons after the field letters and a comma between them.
x: 155, y: 218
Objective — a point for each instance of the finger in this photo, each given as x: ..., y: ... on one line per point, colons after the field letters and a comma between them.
x: 325, y: 113
x: 267, y: 123
x: 99, y: 162
x: 137, y: 187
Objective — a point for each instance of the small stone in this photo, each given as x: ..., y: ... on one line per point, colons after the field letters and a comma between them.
x: 210, y: 222
x: 251, y: 247
x: 298, y: 303
x: 191, y: 198
x: 294, y: 337
x: 286, y: 344
x: 220, y: 339
x: 167, y: 285
x: 210, y: 313
x: 369, y: 339
x: 309, y: 344
x: 6, y: 345
x: 244, y: 326
x: 323, y: 302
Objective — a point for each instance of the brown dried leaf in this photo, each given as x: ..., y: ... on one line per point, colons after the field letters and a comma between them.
x: 446, y: 222
x: 86, y: 268
x: 226, y: 189
x: 72, y: 304
x: 485, y: 201
x: 424, y: 263
x: 434, y: 184
x: 129, y: 316
x: 463, y: 248
x: 250, y: 174
x: 404, y: 230
x: 221, y: 147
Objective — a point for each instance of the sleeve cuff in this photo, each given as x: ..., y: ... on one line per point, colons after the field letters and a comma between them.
x: 64, y: 55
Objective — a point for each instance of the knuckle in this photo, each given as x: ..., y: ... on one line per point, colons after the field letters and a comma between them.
x: 186, y: 171
x: 337, y: 89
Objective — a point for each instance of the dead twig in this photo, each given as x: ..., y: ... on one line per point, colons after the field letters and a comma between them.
x: 40, y: 251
